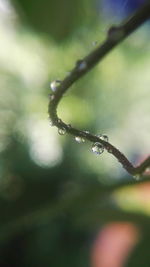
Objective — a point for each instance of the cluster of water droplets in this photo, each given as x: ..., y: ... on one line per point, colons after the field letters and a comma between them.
x: 97, y: 147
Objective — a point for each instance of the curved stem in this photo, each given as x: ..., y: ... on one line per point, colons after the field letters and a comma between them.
x: 115, y: 35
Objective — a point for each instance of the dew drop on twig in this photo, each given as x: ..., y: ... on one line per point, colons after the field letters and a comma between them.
x: 54, y: 85
x: 104, y: 137
x: 97, y: 148
x: 86, y: 133
x: 79, y: 139
x: 51, y: 123
x: 61, y: 131
x: 59, y: 120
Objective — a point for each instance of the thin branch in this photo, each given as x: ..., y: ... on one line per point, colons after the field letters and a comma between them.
x: 115, y: 35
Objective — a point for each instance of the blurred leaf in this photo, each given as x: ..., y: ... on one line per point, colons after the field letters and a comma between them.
x: 57, y: 18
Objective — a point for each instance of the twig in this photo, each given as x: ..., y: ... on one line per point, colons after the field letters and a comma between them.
x: 115, y: 35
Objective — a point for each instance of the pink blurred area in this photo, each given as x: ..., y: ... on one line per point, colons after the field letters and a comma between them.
x: 114, y: 244
x: 143, y: 193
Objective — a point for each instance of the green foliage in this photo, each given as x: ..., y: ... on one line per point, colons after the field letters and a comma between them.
x: 55, y: 194
x: 58, y: 19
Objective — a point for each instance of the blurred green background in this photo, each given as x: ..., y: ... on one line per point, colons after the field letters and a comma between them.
x: 55, y: 194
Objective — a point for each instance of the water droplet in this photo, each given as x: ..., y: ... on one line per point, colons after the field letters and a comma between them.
x: 51, y: 123
x: 86, y: 133
x: 61, y: 131
x: 81, y: 65
x: 79, y: 139
x: 103, y: 137
x: 69, y: 126
x: 137, y: 177
x: 54, y: 85
x: 97, y: 148
x: 59, y: 120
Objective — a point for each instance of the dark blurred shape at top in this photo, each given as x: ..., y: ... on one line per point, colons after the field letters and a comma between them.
x: 58, y: 18
x: 121, y: 8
